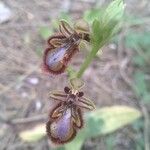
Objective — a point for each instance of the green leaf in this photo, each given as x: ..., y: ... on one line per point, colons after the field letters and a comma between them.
x: 96, y: 35
x: 93, y: 14
x: 109, y: 119
x: 103, y: 121
x: 45, y: 32
x: 77, y: 143
x: 34, y: 134
x: 106, y: 25
x: 113, y: 13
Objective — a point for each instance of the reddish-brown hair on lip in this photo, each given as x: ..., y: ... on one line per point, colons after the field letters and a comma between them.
x: 57, y: 140
x: 49, y: 130
x: 46, y: 68
x: 61, y: 65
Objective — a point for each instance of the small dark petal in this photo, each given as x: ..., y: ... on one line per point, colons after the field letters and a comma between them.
x: 67, y: 90
x: 55, y: 109
x: 80, y: 94
x: 87, y: 37
x: 55, y: 36
x: 78, y: 114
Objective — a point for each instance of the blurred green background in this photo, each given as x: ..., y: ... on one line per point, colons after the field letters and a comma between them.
x: 120, y: 80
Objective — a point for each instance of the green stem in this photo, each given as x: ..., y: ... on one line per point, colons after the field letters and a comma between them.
x: 89, y: 58
x: 71, y: 72
x: 87, y: 61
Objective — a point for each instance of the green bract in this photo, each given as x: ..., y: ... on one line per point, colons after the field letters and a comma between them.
x: 103, y: 28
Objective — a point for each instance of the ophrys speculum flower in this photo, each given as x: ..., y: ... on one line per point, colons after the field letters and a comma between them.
x: 67, y: 116
x: 63, y: 45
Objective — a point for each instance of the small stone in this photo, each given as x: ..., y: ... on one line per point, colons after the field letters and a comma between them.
x: 33, y: 81
x: 5, y: 13
x: 3, y: 129
x: 38, y: 105
x: 24, y: 95
x: 112, y: 46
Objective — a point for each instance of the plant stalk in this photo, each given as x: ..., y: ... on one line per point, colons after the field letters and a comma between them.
x: 89, y: 59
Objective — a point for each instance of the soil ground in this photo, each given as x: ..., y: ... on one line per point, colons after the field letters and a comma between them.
x: 24, y: 87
